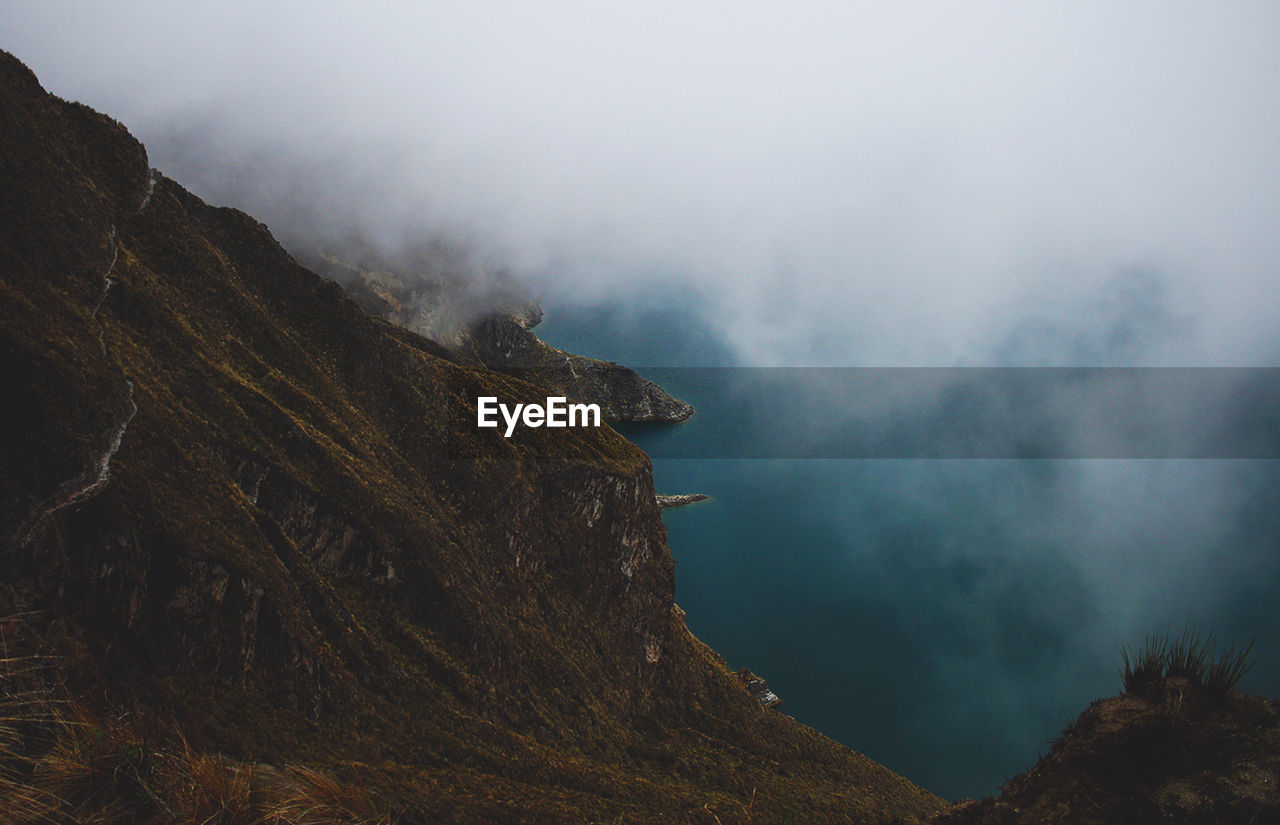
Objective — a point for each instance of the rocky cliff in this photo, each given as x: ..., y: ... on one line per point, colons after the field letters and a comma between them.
x: 244, y: 520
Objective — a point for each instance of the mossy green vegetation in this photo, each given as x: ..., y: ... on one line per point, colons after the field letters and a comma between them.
x: 305, y: 557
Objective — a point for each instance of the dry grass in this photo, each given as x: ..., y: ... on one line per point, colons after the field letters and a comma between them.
x: 61, y: 763
x: 1192, y: 656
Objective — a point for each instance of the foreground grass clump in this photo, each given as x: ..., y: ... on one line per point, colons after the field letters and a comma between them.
x: 1192, y: 655
x: 60, y: 762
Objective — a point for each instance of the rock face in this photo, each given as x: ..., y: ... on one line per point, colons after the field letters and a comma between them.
x: 1180, y: 754
x: 495, y: 327
x: 250, y: 511
x: 758, y: 688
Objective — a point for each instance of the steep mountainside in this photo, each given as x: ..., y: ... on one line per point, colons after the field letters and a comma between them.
x: 238, y: 510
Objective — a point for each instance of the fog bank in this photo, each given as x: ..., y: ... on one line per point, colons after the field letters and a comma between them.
x: 902, y: 184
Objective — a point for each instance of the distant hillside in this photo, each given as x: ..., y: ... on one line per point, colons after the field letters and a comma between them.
x: 249, y: 548
x: 496, y: 329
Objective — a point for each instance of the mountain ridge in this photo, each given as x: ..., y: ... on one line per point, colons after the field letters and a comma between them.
x: 239, y: 508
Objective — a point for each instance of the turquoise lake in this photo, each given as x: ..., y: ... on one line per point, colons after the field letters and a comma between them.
x: 945, y: 617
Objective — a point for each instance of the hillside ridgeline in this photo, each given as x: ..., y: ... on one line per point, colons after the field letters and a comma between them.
x: 242, y: 522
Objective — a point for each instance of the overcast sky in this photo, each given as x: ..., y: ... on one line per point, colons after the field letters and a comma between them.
x: 889, y: 183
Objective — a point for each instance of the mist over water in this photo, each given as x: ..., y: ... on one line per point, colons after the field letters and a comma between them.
x: 948, y: 617
x: 714, y: 184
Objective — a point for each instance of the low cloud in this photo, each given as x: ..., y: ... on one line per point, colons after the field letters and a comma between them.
x: 869, y: 184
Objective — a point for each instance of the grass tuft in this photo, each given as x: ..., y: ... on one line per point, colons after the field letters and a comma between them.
x: 1192, y: 655
x: 1227, y: 670
x: 1146, y: 666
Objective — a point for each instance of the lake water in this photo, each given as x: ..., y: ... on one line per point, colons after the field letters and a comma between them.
x: 945, y: 617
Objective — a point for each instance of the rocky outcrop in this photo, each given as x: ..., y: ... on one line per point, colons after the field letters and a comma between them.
x: 679, y: 500
x: 272, y: 532
x: 758, y: 688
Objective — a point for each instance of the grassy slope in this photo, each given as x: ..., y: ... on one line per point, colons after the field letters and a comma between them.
x: 304, y: 554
